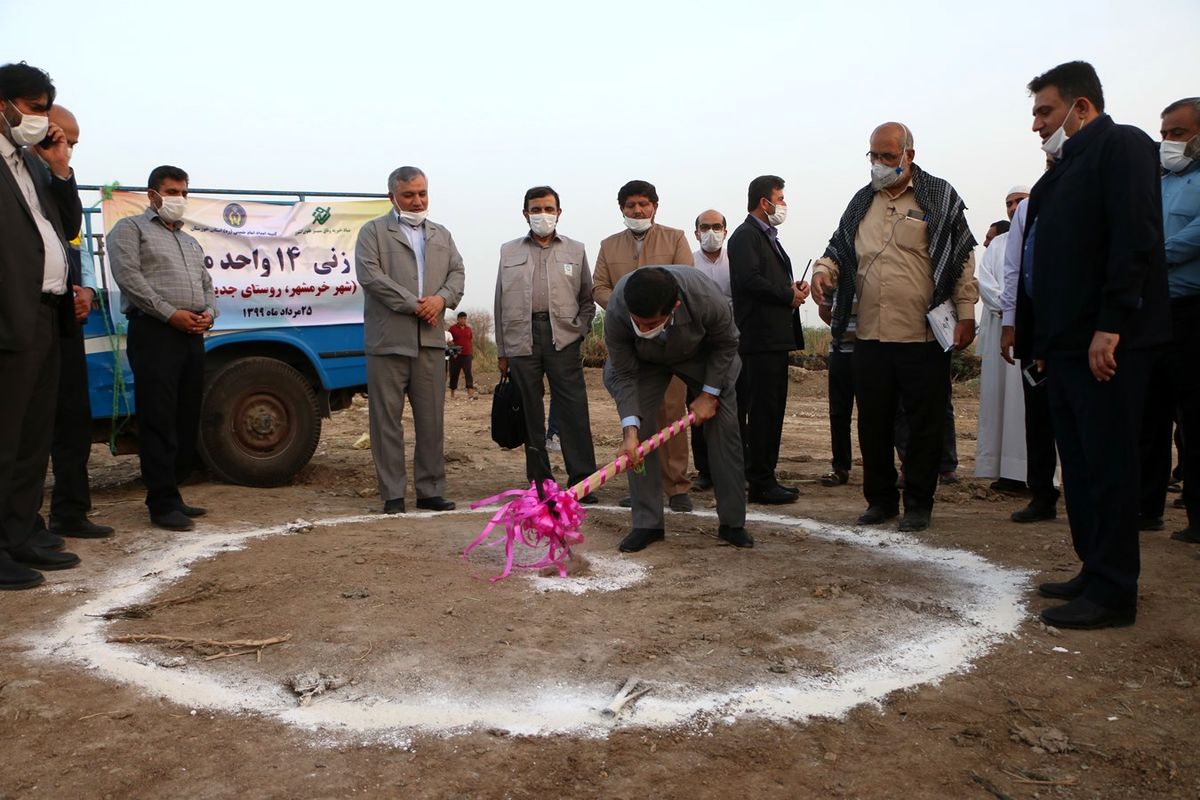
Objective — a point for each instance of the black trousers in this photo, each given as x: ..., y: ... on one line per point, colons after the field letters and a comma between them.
x: 461, y: 363
x: 841, y: 406
x: 1096, y: 427
x: 1173, y: 390
x: 168, y: 380
x: 71, y: 498
x: 699, y: 441
x: 1040, y: 453
x: 568, y: 392
x: 886, y: 374
x: 30, y: 380
x: 949, y: 459
x: 762, y: 389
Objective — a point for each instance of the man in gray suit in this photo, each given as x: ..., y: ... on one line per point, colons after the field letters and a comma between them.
x: 664, y: 322
x: 411, y: 273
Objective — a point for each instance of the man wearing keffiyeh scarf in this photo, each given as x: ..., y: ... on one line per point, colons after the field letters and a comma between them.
x: 902, y: 248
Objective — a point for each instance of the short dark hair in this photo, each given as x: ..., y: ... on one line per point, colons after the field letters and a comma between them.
x: 164, y: 173
x: 1073, y: 80
x: 541, y: 191
x: 462, y: 314
x: 724, y: 222
x: 644, y: 188
x: 1001, y: 226
x: 761, y: 188
x: 23, y: 82
x: 1188, y: 102
x: 651, y: 291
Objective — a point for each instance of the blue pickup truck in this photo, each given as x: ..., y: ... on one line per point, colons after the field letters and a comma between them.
x: 266, y: 390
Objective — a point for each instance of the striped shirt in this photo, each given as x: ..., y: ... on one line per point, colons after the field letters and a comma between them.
x: 159, y: 268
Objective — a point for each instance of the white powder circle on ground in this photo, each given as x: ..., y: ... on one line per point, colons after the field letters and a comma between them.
x: 987, y: 599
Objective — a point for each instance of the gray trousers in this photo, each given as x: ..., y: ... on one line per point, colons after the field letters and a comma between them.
x: 568, y: 390
x: 721, y: 434
x: 422, y: 379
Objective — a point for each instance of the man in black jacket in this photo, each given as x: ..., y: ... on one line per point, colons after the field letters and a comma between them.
x: 766, y: 308
x: 39, y: 212
x: 1091, y: 304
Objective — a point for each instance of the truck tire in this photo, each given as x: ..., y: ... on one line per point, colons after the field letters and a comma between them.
x: 259, y: 422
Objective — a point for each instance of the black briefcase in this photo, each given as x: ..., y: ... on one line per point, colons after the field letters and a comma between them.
x: 508, y: 417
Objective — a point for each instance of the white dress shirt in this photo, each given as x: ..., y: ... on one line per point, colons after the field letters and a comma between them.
x: 1012, y: 265
x: 416, y: 238
x: 717, y: 270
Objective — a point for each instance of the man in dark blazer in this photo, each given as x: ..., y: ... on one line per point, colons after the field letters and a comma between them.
x: 766, y: 307
x: 665, y: 322
x: 1091, y: 305
x: 39, y: 212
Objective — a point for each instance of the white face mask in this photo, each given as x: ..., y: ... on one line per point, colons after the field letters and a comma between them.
x: 883, y: 176
x: 543, y: 224
x: 1053, y: 146
x: 413, y: 218
x: 654, y: 332
x: 777, y: 216
x: 172, y: 208
x: 1173, y: 155
x: 711, y: 240
x: 638, y: 225
x: 31, y: 130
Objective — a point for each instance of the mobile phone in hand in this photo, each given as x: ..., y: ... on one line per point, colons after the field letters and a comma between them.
x: 1034, y: 376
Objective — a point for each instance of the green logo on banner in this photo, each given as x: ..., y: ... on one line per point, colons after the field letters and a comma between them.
x: 322, y: 215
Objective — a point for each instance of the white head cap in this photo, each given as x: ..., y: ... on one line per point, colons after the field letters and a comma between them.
x: 1018, y: 189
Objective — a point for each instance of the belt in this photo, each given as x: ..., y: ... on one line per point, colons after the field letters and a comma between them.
x: 52, y: 300
x: 541, y: 316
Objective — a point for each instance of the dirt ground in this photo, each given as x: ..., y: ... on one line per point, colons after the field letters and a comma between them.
x: 387, y: 609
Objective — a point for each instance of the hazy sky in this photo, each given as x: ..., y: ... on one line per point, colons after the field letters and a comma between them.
x: 492, y: 98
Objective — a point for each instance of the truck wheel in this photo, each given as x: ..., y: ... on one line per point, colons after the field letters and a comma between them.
x: 259, y: 422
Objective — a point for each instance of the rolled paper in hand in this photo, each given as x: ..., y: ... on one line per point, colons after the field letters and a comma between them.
x: 552, y: 517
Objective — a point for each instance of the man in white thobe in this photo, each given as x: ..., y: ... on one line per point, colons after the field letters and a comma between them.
x: 1000, y: 447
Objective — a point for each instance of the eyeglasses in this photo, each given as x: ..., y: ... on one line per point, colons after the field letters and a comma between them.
x: 715, y: 226
x: 872, y: 156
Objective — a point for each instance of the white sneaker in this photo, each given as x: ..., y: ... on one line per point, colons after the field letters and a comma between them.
x: 553, y: 444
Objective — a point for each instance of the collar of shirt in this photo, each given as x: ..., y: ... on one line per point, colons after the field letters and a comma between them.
x: 767, y: 228
x: 10, y: 152
x: 553, y: 239
x: 907, y: 187
x: 151, y: 214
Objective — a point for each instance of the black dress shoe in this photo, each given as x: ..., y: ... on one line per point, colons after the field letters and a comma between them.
x: 877, y: 514
x: 681, y: 503
x: 193, y: 511
x: 701, y: 483
x: 735, y: 536
x: 625, y: 502
x: 46, y: 540
x: 589, y: 499
x: 836, y: 477
x: 773, y: 496
x: 1064, y: 590
x: 1008, y: 485
x: 1188, y: 534
x: 39, y: 558
x: 83, y: 529
x: 1034, y: 513
x: 394, y: 506
x: 15, y: 576
x: 640, y: 538
x: 915, y: 520
x: 1083, y: 614
x: 173, y: 520
x: 1150, y: 523
x: 435, y: 503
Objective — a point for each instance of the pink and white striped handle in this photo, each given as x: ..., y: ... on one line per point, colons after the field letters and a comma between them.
x: 602, y: 476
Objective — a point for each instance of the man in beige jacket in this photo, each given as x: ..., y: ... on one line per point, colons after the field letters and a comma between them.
x: 646, y: 243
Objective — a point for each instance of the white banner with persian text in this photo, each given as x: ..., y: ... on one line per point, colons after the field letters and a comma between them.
x: 272, y: 264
